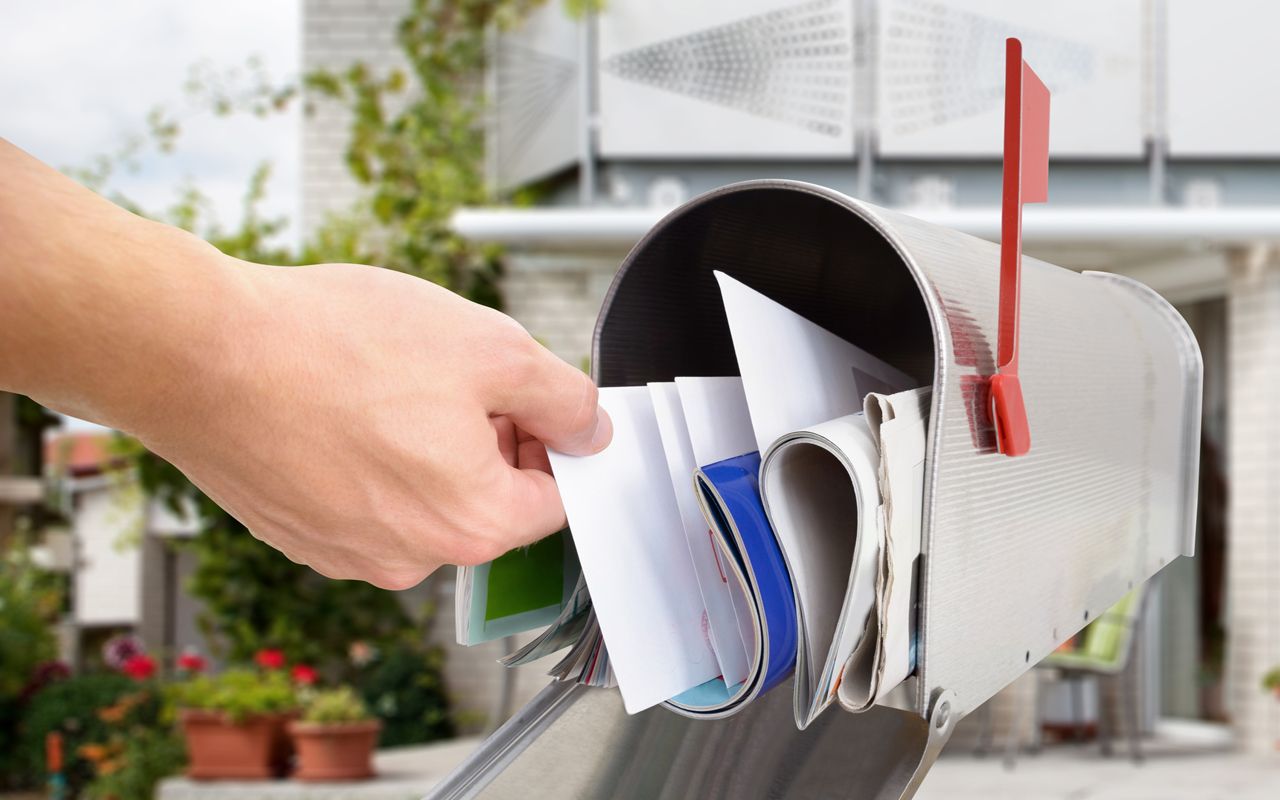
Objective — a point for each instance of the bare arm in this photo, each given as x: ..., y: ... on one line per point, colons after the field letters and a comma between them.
x: 367, y: 423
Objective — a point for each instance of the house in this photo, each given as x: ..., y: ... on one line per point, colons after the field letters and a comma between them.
x: 113, y: 551
x: 1166, y: 168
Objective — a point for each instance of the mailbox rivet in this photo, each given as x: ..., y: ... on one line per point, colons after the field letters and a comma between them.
x: 944, y: 715
x: 1027, y: 658
x: 1086, y: 616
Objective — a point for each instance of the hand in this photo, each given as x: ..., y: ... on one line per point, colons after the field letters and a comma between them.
x: 365, y: 422
x: 374, y: 425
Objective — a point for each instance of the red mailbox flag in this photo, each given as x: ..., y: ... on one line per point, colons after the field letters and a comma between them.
x: 1026, y: 180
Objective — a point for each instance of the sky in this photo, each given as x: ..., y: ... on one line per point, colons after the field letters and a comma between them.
x: 78, y: 77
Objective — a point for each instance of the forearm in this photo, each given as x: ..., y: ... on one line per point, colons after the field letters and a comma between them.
x: 102, y: 312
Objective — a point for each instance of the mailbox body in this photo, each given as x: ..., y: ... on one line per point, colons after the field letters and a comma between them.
x: 1018, y: 553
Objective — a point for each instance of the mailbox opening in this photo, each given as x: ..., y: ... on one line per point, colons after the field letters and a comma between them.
x: 664, y: 317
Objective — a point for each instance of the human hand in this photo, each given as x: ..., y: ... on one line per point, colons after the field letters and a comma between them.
x: 371, y: 424
x: 365, y: 422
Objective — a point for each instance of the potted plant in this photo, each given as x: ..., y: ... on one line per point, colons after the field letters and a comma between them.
x: 1271, y: 682
x: 335, y: 737
x: 234, y: 723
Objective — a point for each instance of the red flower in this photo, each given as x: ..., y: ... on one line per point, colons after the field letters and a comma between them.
x: 139, y: 667
x: 191, y: 661
x: 269, y: 658
x: 305, y: 675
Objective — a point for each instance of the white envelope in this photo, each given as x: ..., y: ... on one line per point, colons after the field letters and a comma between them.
x: 719, y: 422
x: 795, y: 373
x: 631, y: 543
x: 722, y: 617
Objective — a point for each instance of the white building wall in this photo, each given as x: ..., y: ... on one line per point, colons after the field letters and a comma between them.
x: 1253, y: 545
x: 106, y: 524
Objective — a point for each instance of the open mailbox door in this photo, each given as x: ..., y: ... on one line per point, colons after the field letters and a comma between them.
x: 1018, y: 554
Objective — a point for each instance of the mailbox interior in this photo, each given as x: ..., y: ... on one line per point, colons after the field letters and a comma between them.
x: 664, y: 317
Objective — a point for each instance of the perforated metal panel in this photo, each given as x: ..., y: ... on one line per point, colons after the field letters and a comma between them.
x: 940, y: 74
x: 534, y: 86
x: 750, y: 78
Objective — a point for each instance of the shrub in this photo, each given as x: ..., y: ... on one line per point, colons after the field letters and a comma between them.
x: 136, y: 762
x: 403, y: 688
x: 237, y: 693
x: 27, y: 608
x: 75, y: 708
x: 335, y: 706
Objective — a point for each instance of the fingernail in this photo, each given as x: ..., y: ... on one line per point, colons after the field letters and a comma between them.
x: 604, y: 432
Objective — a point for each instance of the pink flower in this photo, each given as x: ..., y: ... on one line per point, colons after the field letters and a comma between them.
x: 140, y: 667
x: 305, y: 675
x: 269, y: 658
x: 120, y: 648
x: 191, y: 661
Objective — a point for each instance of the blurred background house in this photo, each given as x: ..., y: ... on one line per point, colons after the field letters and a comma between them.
x: 1166, y: 167
x: 115, y: 545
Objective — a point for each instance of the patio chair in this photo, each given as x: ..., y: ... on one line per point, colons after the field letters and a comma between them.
x: 1105, y: 652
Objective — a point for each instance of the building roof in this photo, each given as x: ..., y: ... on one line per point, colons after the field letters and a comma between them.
x: 80, y: 455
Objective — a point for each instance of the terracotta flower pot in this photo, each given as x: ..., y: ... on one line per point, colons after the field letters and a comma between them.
x: 334, y: 752
x: 218, y: 748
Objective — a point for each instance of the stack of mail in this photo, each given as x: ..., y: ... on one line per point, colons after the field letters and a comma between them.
x: 737, y: 529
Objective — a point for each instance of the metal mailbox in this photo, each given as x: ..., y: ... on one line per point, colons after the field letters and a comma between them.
x: 1018, y: 554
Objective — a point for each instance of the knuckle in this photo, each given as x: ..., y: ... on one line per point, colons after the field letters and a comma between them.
x: 587, y: 411
x: 475, y: 551
x: 398, y: 580
x: 521, y: 357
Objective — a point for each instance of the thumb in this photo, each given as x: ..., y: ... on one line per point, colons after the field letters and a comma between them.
x: 532, y: 502
x: 554, y: 402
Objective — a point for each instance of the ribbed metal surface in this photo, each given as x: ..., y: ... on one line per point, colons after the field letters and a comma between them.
x: 574, y: 742
x: 1020, y: 553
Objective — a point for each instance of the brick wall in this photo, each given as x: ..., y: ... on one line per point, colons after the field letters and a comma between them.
x: 1253, y: 545
x: 335, y: 35
x: 557, y: 298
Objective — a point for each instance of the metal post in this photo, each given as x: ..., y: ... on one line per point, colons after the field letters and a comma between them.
x: 1158, y: 142
x: 864, y: 96
x: 586, y: 110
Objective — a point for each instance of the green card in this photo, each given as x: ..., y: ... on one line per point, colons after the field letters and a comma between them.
x: 526, y: 579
